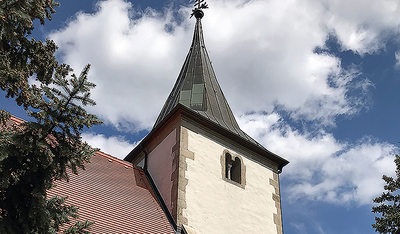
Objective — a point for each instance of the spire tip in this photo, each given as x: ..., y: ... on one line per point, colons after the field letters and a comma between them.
x: 197, y: 12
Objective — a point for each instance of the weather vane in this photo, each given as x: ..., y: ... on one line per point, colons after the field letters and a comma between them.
x: 198, y: 5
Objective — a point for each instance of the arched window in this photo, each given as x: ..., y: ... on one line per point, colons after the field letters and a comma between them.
x: 233, y: 168
x: 228, y: 166
x: 236, y: 171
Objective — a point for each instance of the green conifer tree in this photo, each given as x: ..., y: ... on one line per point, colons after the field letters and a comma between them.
x: 35, y: 154
x: 389, y: 204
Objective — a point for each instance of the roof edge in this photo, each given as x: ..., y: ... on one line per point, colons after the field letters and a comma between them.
x: 194, y: 115
x: 17, y: 121
x: 160, y: 200
x: 113, y: 158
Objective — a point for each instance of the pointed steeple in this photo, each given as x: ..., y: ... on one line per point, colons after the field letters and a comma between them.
x: 197, y: 87
x: 198, y: 97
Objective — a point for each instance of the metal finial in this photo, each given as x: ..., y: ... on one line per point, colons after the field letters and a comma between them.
x: 198, y: 5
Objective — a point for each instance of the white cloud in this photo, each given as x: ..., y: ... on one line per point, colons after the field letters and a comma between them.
x: 397, y: 56
x: 300, y: 228
x: 114, y: 145
x: 263, y: 55
x: 270, y: 55
x: 132, y: 60
x: 262, y: 49
x: 322, y: 168
x: 361, y: 25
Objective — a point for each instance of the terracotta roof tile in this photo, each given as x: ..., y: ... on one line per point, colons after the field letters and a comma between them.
x: 16, y: 120
x: 12, y: 121
x: 116, y: 196
x: 113, y: 194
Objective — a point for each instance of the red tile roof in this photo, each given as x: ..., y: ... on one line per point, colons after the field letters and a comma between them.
x: 12, y: 121
x: 16, y: 120
x: 116, y: 195
x: 113, y: 194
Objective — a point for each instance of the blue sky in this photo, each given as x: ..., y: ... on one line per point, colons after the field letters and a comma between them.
x: 314, y: 81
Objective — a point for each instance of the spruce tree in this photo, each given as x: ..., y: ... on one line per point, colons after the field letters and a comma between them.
x: 389, y: 204
x: 35, y: 154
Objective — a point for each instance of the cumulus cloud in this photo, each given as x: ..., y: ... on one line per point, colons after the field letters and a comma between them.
x: 362, y: 26
x: 270, y: 55
x: 114, y: 145
x: 322, y: 168
x: 397, y: 57
x: 263, y: 53
x: 133, y: 59
x: 262, y: 49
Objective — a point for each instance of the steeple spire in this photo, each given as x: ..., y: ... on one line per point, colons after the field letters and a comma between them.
x: 197, y: 88
x: 198, y: 5
x: 197, y: 100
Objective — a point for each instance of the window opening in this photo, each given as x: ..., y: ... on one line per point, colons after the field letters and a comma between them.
x: 236, y: 174
x: 228, y: 166
x: 233, y: 168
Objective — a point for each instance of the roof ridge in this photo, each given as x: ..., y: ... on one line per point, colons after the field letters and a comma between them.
x: 17, y: 121
x: 113, y: 158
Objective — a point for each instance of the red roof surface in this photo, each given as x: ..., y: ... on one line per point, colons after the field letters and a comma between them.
x: 116, y: 195
x: 16, y: 120
x: 12, y: 121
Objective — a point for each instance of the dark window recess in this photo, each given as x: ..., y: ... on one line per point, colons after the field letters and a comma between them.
x: 233, y: 168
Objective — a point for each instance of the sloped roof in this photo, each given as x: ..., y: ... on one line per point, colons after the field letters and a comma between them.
x: 116, y: 196
x: 15, y: 120
x: 12, y: 121
x: 198, y: 90
x: 197, y: 87
x: 113, y: 193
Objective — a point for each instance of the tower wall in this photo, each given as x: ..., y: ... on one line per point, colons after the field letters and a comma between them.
x: 162, y: 161
x: 210, y: 203
x: 160, y: 167
x: 210, y: 182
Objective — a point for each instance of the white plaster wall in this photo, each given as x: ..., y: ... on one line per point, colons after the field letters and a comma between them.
x: 160, y: 167
x: 217, y: 206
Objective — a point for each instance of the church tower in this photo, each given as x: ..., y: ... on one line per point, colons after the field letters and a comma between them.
x: 212, y: 176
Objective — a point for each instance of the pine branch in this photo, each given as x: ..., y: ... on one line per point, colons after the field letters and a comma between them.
x: 389, y: 204
x: 34, y: 154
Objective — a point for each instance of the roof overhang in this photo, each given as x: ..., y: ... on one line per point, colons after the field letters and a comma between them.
x: 185, y: 111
